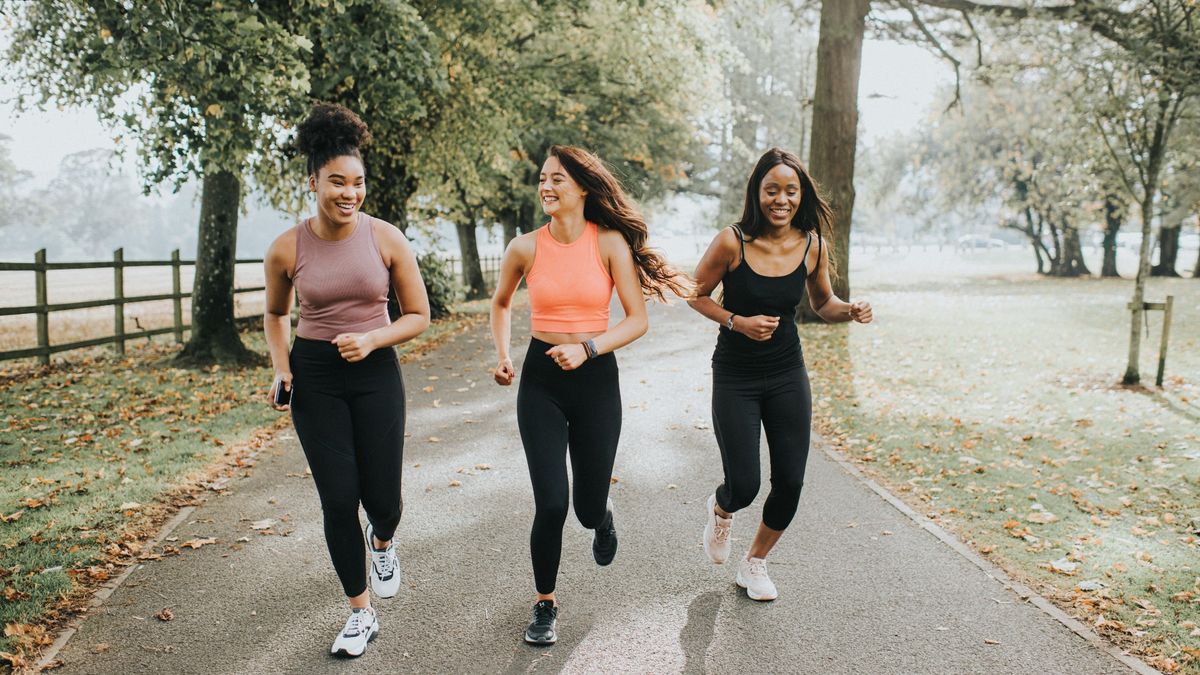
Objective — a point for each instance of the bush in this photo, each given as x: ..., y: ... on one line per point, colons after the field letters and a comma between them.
x: 440, y: 283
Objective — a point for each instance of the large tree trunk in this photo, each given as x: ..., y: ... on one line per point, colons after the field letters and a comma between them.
x: 835, y: 127
x: 214, y: 337
x: 468, y: 248
x: 1112, y: 226
x: 1072, y: 264
x: 1168, y: 251
x: 392, y: 185
x: 1196, y: 272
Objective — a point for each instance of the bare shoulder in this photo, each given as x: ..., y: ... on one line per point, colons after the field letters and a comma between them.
x: 387, y: 234
x: 283, y: 249
x: 523, y: 246
x: 612, y: 241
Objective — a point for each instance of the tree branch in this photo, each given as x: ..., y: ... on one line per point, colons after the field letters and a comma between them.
x: 920, y: 23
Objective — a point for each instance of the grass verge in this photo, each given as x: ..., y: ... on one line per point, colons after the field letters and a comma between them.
x: 98, y: 452
x: 988, y: 401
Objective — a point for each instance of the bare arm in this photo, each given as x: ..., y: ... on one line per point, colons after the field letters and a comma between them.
x: 721, y: 254
x: 512, y: 267
x: 277, y: 318
x: 410, y: 293
x: 827, y: 305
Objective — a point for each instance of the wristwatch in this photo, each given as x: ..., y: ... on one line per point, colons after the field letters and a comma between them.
x: 729, y: 321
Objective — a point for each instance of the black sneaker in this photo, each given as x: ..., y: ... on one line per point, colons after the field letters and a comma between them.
x: 541, y: 629
x: 604, y: 545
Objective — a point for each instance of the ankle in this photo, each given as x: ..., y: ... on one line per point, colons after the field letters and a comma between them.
x: 379, y: 544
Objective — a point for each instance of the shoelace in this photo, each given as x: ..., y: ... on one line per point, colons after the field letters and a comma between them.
x: 721, y: 532
x: 383, y: 561
x: 355, y: 624
x: 542, y: 615
x: 758, y: 567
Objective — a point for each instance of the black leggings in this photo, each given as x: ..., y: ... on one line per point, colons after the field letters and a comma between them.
x: 780, y: 402
x: 350, y: 421
x: 559, y: 410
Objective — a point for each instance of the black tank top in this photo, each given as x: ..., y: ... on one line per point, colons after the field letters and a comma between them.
x: 748, y: 293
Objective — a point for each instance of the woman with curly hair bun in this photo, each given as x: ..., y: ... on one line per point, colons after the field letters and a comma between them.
x: 569, y: 399
x: 342, y: 379
x: 764, y: 263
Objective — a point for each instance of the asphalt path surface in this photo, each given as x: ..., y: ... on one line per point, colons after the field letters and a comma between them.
x: 863, y: 589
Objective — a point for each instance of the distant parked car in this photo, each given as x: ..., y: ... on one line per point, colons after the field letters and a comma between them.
x: 973, y: 242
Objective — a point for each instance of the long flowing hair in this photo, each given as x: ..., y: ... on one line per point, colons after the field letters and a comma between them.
x: 814, y: 214
x: 607, y: 205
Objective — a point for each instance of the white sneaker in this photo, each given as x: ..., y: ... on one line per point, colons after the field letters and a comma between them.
x: 752, y: 576
x: 716, y: 533
x: 360, y: 628
x: 385, y: 567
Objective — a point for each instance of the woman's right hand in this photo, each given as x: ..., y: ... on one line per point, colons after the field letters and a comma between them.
x: 759, y: 328
x: 284, y: 380
x: 504, y: 372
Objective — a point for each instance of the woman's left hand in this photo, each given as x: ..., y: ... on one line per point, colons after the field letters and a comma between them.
x: 568, y: 357
x: 354, y: 346
x: 861, y: 312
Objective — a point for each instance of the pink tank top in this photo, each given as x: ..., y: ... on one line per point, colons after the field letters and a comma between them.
x: 569, y: 286
x: 342, y: 285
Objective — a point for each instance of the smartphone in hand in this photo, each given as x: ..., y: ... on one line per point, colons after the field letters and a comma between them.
x: 283, y: 395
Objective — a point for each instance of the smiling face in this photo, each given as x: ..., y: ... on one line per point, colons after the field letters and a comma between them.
x: 559, y: 193
x: 779, y: 195
x: 341, y: 188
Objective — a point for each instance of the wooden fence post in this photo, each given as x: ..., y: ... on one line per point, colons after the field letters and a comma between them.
x: 1162, y: 347
x: 43, y: 314
x: 177, y: 290
x: 119, y: 300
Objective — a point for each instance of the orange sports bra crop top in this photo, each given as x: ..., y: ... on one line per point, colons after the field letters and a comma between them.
x: 569, y: 286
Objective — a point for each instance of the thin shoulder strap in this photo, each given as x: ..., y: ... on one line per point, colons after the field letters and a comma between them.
x: 741, y: 241
x: 807, y: 248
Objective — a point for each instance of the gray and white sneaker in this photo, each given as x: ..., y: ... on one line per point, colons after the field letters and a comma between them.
x: 385, y: 567
x: 752, y: 576
x: 360, y: 628
x: 716, y: 533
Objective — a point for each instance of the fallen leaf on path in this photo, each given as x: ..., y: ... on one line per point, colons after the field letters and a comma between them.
x: 197, y: 543
x: 262, y: 524
x: 990, y: 642
x: 165, y: 614
x: 455, y: 483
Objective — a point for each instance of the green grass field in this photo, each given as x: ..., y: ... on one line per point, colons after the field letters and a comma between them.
x: 988, y: 398
x: 94, y: 455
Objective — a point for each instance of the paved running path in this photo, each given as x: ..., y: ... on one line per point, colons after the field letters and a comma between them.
x: 853, y: 600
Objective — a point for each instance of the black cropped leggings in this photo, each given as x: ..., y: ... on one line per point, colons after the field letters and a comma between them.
x: 350, y: 421
x: 559, y: 411
x: 779, y: 402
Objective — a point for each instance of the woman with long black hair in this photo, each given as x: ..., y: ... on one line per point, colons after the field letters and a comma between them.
x: 342, y: 379
x: 765, y: 262
x: 569, y: 399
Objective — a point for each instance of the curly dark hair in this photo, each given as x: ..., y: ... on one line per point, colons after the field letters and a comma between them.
x: 607, y: 206
x: 330, y: 131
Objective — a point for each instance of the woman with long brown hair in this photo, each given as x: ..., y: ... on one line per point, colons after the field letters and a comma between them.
x: 765, y: 262
x: 569, y: 399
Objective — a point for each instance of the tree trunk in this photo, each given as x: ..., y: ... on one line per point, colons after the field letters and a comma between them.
x: 214, y: 337
x: 835, y: 127
x: 468, y: 248
x: 1112, y: 226
x: 1132, y: 374
x: 1072, y: 264
x: 528, y: 219
x: 1168, y: 251
x: 1196, y: 272
x: 508, y: 219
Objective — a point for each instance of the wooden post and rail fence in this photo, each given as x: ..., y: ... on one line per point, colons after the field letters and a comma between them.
x: 42, y: 307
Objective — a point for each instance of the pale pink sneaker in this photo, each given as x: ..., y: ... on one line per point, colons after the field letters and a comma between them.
x: 716, y: 533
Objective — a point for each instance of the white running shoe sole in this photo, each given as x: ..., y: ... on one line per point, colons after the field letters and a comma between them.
x: 356, y: 649
x: 766, y: 597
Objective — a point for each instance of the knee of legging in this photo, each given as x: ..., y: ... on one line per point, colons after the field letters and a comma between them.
x: 552, y: 510
x: 740, y: 493
x: 591, y: 517
x: 788, y: 486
